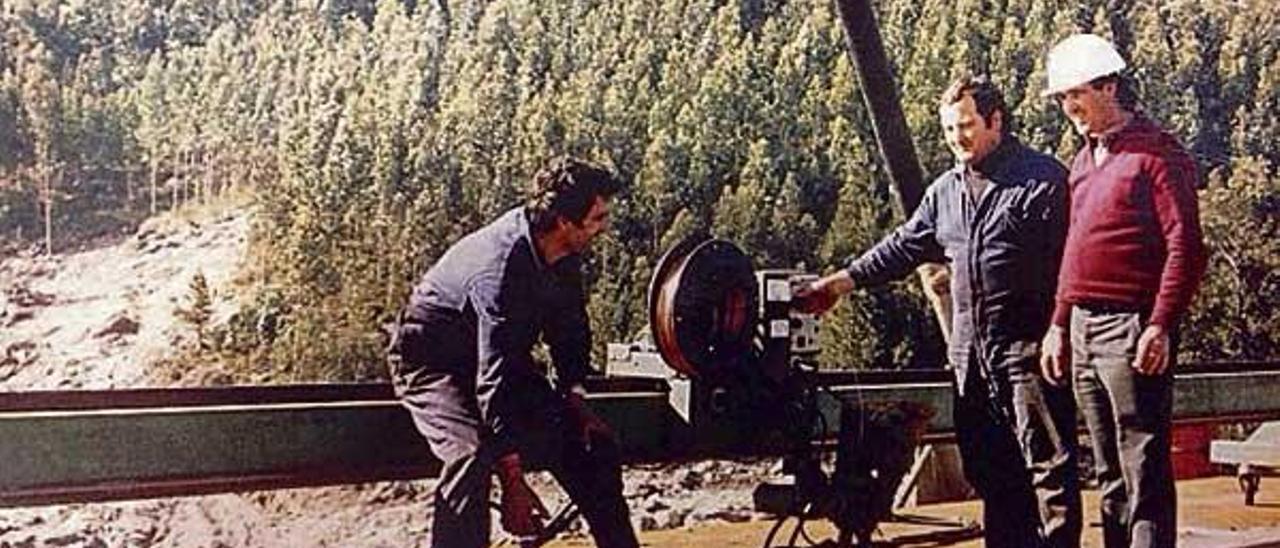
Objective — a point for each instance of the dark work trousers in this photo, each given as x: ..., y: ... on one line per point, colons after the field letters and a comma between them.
x: 1017, y: 442
x: 442, y: 403
x: 1129, y: 416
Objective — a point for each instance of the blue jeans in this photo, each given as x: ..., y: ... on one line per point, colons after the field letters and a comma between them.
x: 1017, y: 443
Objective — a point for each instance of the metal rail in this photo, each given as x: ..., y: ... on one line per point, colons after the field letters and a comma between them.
x: 110, y: 445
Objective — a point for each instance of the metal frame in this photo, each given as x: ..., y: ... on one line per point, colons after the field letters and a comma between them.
x: 109, y: 445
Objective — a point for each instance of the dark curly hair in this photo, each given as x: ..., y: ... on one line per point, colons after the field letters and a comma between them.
x: 986, y: 97
x: 567, y: 187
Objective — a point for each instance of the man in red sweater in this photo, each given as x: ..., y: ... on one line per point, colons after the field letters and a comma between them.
x: 1132, y: 263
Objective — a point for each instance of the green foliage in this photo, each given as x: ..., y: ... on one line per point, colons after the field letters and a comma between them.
x: 1235, y: 315
x: 374, y: 134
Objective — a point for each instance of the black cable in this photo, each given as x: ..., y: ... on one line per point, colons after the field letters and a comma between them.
x: 795, y: 532
x: 804, y: 533
x: 773, y: 531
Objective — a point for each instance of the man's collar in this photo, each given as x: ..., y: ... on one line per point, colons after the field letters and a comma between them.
x: 993, y: 161
x: 1112, y: 133
x: 527, y: 228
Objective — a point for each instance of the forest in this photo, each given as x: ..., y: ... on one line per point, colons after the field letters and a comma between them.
x: 367, y: 136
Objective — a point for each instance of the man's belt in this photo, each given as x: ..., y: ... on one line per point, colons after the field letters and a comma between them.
x: 1102, y: 307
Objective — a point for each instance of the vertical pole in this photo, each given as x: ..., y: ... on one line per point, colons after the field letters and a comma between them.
x: 875, y: 79
x: 881, y: 97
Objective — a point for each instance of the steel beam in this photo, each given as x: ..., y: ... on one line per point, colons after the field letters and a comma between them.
x: 80, y: 455
x: 94, y: 446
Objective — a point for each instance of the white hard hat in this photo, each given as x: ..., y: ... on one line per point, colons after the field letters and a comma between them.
x: 1079, y: 59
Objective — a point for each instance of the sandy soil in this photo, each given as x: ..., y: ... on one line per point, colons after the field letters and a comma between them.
x: 1211, y: 514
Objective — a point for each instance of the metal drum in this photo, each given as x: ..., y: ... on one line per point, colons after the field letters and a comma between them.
x: 702, y: 306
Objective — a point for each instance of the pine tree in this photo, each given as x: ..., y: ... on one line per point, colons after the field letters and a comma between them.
x: 373, y: 134
x: 199, y: 308
x: 738, y: 214
x: 1232, y: 318
x: 42, y: 96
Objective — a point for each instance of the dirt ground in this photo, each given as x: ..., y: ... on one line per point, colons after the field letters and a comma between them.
x: 1211, y: 513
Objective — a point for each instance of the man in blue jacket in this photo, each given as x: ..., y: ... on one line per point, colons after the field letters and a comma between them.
x: 998, y: 218
x: 461, y: 363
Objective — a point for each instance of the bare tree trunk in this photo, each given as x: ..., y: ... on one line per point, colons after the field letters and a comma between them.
x: 209, y: 173
x: 39, y: 194
x: 220, y: 175
x: 48, y: 211
x: 174, y: 190
x: 179, y: 181
x: 250, y: 173
x: 128, y: 187
x: 155, y: 174
x: 193, y: 182
x: 201, y: 168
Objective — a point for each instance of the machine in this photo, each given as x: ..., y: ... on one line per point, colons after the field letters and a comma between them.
x: 751, y: 362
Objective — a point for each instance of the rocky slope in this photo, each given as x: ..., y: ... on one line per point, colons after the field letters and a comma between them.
x: 98, y: 318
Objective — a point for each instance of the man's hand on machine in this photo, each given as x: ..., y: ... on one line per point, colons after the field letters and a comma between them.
x: 819, y: 296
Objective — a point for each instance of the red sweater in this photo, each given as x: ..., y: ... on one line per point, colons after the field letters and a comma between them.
x: 1134, y: 236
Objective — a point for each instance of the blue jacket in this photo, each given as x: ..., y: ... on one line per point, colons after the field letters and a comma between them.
x: 481, y: 308
x: 1004, y: 250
